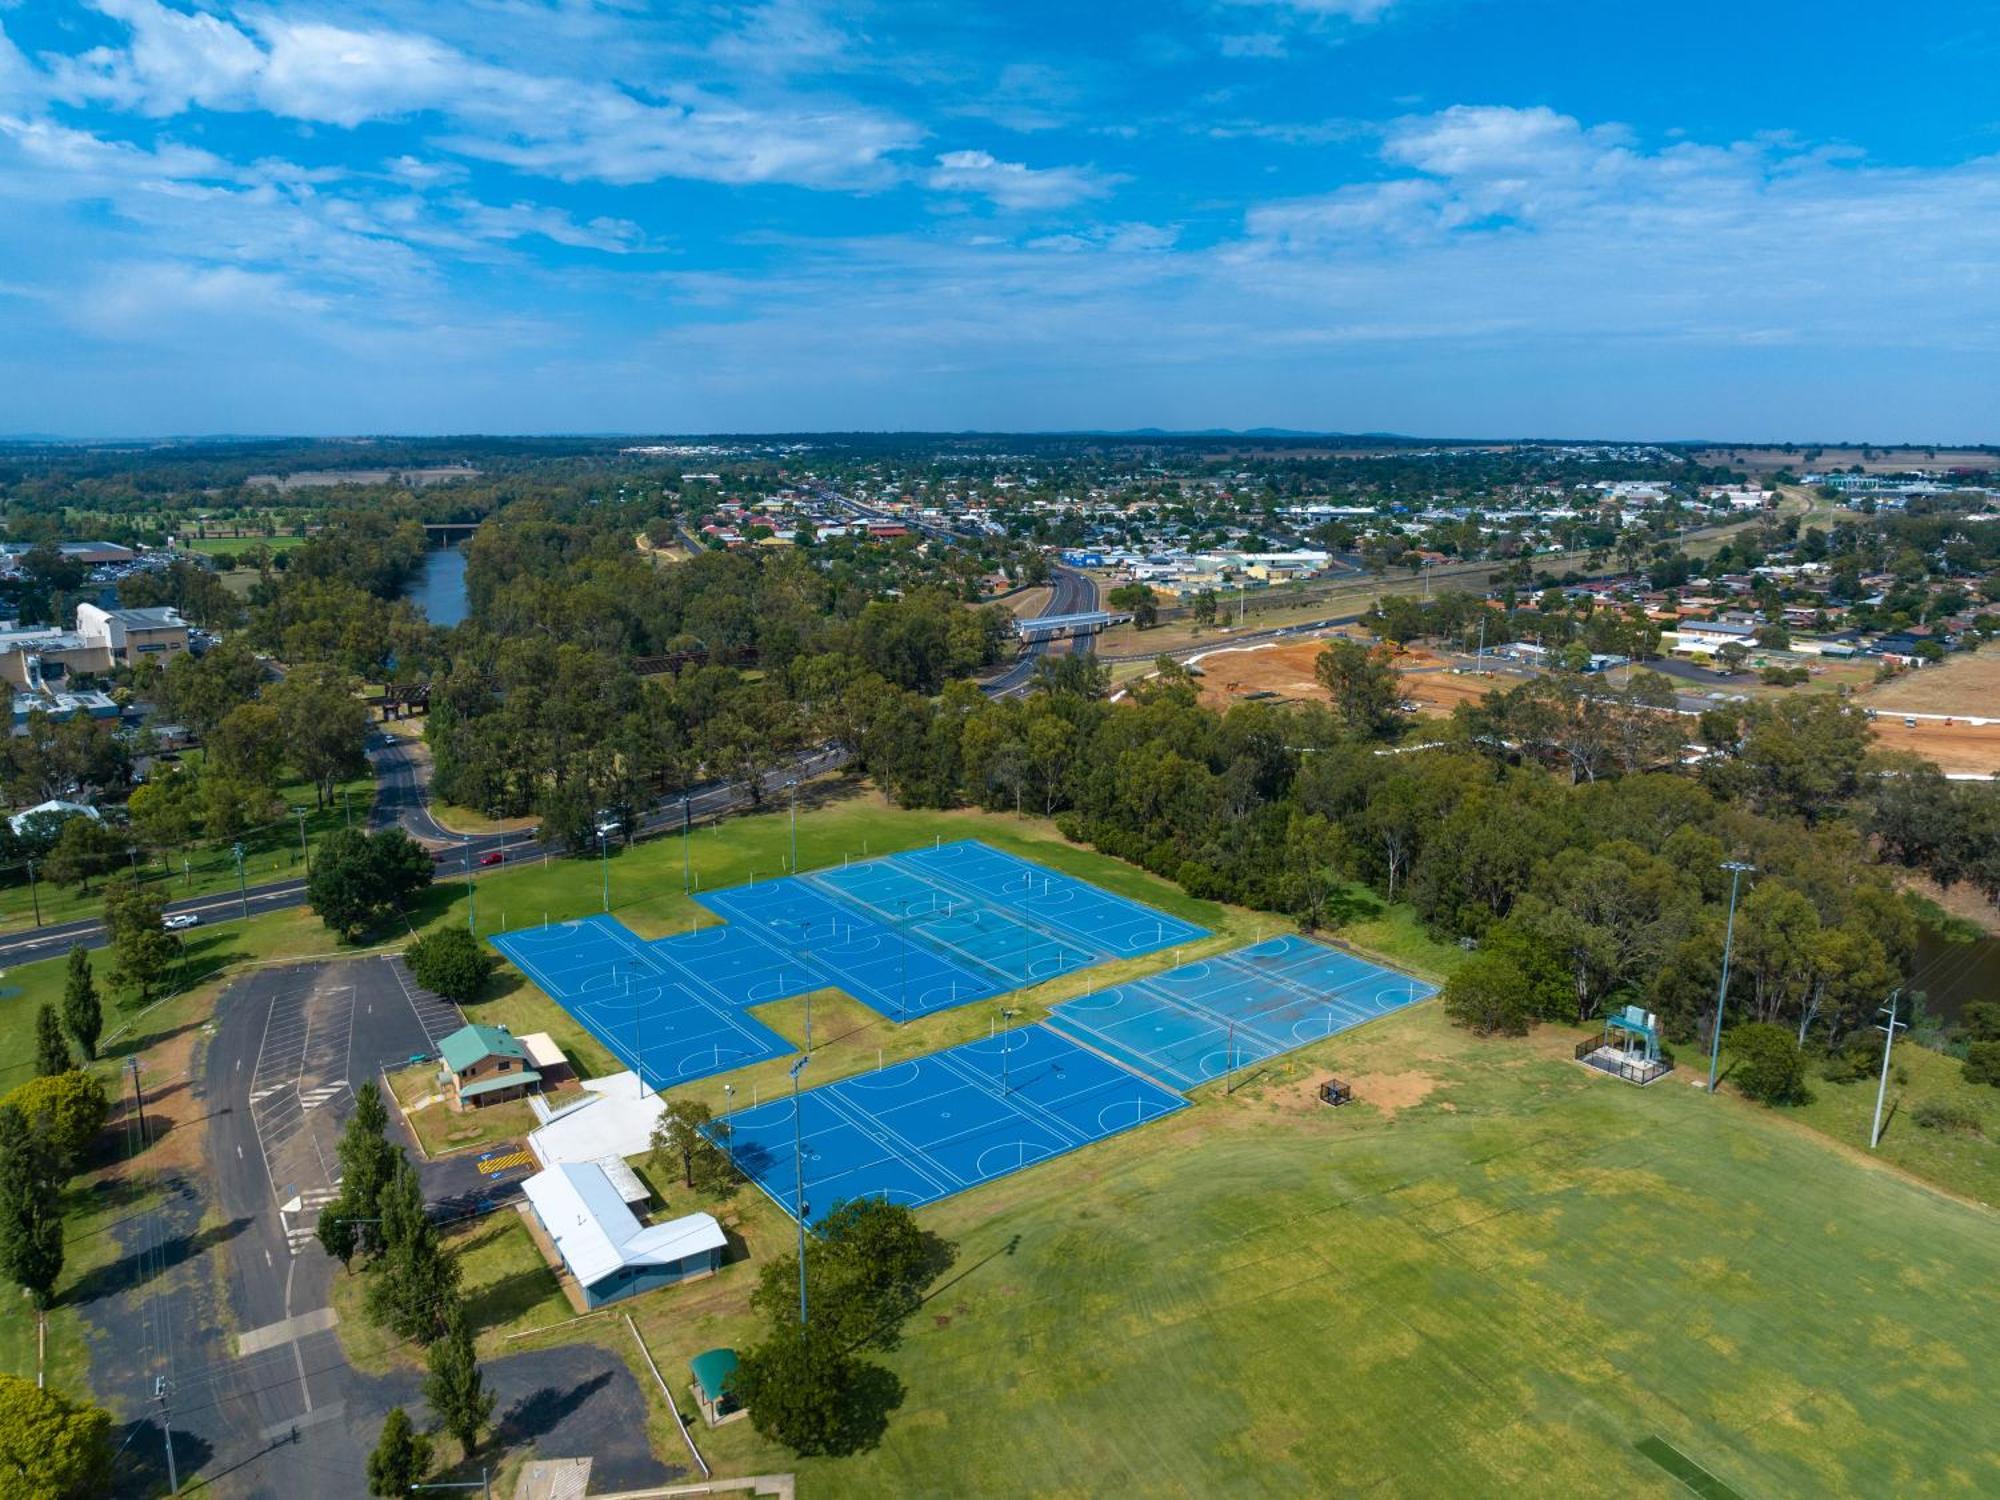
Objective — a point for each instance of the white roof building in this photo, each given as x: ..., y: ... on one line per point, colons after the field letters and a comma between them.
x: 609, y: 1252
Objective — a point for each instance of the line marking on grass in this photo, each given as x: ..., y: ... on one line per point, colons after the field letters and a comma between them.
x: 1685, y: 1469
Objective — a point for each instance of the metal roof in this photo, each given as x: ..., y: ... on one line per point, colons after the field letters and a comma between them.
x: 498, y: 1081
x: 469, y: 1044
x: 598, y: 1235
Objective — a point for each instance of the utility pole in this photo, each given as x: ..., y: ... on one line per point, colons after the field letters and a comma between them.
x: 242, y: 889
x: 799, y: 1182
x: 1888, y: 1041
x: 167, y: 1432
x: 1479, y: 661
x: 347, y: 806
x: 304, y: 853
x: 1736, y: 869
x: 35, y: 893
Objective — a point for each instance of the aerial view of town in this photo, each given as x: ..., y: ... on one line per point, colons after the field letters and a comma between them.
x: 889, y: 751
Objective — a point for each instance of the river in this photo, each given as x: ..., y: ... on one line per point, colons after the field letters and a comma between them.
x: 439, y: 594
x: 1952, y: 975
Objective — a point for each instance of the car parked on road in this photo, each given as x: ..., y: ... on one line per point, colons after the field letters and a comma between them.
x: 180, y: 921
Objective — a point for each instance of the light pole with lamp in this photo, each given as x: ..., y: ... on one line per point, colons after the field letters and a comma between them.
x: 242, y: 887
x: 1006, y: 1047
x: 604, y: 861
x: 304, y: 853
x: 799, y: 1182
x: 793, y: 787
x: 1736, y: 869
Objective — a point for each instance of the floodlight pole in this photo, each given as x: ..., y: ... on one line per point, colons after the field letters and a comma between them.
x: 793, y: 787
x: 687, y: 828
x: 1736, y: 869
x: 483, y: 1484
x: 604, y: 860
x: 1006, y: 1047
x: 799, y: 1183
x: 167, y: 1432
x: 1882, y: 1088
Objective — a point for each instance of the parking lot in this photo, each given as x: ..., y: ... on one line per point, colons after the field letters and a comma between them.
x: 326, y: 1029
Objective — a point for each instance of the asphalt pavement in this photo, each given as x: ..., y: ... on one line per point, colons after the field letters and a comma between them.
x: 272, y: 1402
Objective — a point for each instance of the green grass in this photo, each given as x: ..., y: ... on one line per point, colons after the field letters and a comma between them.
x: 269, y: 853
x: 1499, y: 1286
x: 508, y: 1288
x: 236, y: 546
x: 444, y: 1131
x: 1965, y: 1164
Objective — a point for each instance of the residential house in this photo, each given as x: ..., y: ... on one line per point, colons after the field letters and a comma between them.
x: 486, y: 1065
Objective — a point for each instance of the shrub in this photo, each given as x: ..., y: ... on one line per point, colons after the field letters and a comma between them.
x: 1490, y: 995
x: 1943, y: 1114
x: 1857, y: 1060
x: 1982, y: 1063
x: 451, y: 963
x: 1769, y: 1064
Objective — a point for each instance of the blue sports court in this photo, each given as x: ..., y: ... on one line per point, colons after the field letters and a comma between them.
x: 933, y: 1126
x: 906, y: 934
x: 661, y: 1017
x: 1208, y: 1017
x: 928, y: 1127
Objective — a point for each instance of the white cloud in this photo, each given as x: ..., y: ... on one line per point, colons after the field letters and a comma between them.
x: 561, y: 127
x: 1347, y: 10
x: 1013, y: 184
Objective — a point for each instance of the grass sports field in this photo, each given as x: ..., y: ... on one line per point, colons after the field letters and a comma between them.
x: 1498, y: 1274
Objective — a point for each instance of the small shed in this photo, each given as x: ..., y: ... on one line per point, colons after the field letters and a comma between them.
x: 545, y: 1057
x: 712, y: 1370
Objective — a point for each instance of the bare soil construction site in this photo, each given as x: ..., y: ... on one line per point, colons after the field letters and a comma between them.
x: 1283, y: 671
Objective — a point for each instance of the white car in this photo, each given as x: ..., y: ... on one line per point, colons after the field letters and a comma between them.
x: 180, y: 921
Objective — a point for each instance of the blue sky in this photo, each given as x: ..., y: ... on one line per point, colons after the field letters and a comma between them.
x: 1456, y: 217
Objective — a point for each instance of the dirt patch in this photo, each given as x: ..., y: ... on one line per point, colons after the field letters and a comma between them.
x: 1966, y: 683
x: 1391, y: 1092
x: 1285, y: 670
x: 1958, y: 747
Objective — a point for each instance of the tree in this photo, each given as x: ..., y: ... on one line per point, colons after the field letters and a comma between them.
x: 358, y: 878
x: 1362, y: 685
x: 457, y: 1394
x: 1489, y: 995
x: 83, y: 1016
x: 1770, y: 1065
x: 134, y: 916
x: 367, y: 1160
x: 83, y: 850
x: 52, y: 1447
x: 416, y: 1280
x: 67, y: 1110
x: 51, y: 1049
x: 451, y: 963
x: 866, y: 1271
x: 1140, y: 600
x: 31, y: 1228
x: 686, y: 1134
x: 801, y: 1389
x: 402, y: 1456
x: 325, y: 726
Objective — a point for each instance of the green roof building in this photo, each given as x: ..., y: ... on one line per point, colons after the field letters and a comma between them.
x: 487, y: 1066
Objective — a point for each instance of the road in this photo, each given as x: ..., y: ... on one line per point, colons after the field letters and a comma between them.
x: 401, y: 803
x: 1072, y: 594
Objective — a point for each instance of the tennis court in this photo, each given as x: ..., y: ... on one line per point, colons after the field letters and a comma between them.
x: 657, y: 1014
x: 1208, y: 1017
x: 928, y: 1127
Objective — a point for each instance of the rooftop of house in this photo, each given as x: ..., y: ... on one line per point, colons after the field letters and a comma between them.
x: 471, y: 1044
